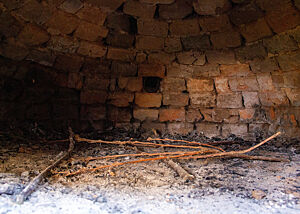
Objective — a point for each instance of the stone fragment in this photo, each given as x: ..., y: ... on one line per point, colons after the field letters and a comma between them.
x: 172, y: 45
x: 122, y: 69
x: 93, y: 97
x: 145, y: 114
x: 228, y: 39
x: 220, y: 57
x: 71, y: 6
x: 250, y: 99
x: 63, y: 22
x: 258, y: 194
x: 149, y: 43
x: 193, y: 115
x: 171, y: 115
x: 208, y: 129
x: 273, y: 98
x: 211, y: 7
x: 186, y: 27
x: 239, y: 70
x: 239, y: 130
x: 152, y: 27
x: 200, y: 85
x: 180, y: 128
x: 215, y: 23
x: 63, y: 44
x: 200, y: 42
x: 280, y: 43
x: 138, y: 9
x: 151, y: 70
x: 203, y: 99
x: 243, y: 84
x: 120, y: 99
x: 92, y: 14
x: 91, y: 49
x: 148, y: 100
x: 68, y: 63
x: 120, y: 40
x: 175, y: 99
x: 33, y: 35
x: 255, y: 30
x: 178, y: 10
x: 250, y: 52
x: 229, y: 100
x: 120, y: 54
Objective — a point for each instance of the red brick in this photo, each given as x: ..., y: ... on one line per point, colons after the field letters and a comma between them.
x: 33, y: 35
x: 91, y: 49
x: 93, y: 97
x: 161, y: 58
x: 179, y: 71
x: 180, y: 128
x: 152, y: 27
x: 171, y: 115
x: 177, y: 10
x: 145, y: 114
x: 256, y: 30
x: 273, y: 98
x: 193, y: 115
x: 239, y: 130
x: 250, y: 99
x: 264, y: 65
x: 64, y: 22
x: 121, y: 99
x: 173, y: 85
x: 265, y: 82
x: 228, y: 39
x: 172, y: 45
x: 148, y: 100
x: 133, y: 84
x: 243, y: 84
x: 207, y: 129
x: 137, y: 9
x: 215, y: 23
x: 122, y: 69
x: 203, y: 99
x: 185, y: 27
x: 75, y: 80
x: 250, y: 52
x: 246, y: 114
x: 238, y: 70
x: 205, y: 71
x: 222, y: 85
x: 229, y: 100
x: 176, y: 99
x: 93, y: 112
x: 191, y: 57
x: 200, y: 85
x: 149, y: 43
x: 90, y: 32
x: 220, y: 115
x: 69, y: 63
x: 120, y: 54
x: 211, y: 7
x: 150, y: 70
x: 92, y: 14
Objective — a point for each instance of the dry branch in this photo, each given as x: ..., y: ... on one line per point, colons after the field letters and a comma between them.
x: 34, y: 183
x: 180, y: 171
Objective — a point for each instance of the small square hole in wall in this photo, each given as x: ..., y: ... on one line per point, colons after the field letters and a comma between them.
x: 151, y: 84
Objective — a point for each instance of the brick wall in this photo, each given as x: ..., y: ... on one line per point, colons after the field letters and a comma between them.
x: 218, y: 67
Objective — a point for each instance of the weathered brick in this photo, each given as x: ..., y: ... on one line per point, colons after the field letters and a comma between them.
x: 250, y: 99
x: 203, y: 99
x: 75, y: 80
x: 93, y: 97
x: 200, y: 85
x: 243, y: 84
x: 145, y: 114
x: 118, y: 114
x: 222, y: 85
x: 123, y: 69
x: 71, y: 6
x: 294, y: 96
x: 220, y: 115
x: 240, y: 130
x: 200, y: 42
x: 172, y: 45
x: 290, y: 61
x: 92, y: 14
x: 91, y: 49
x: 33, y: 35
x: 228, y: 39
x: 179, y: 71
x: 185, y: 27
x: 133, y: 84
x: 63, y: 44
x: 152, y: 27
x: 207, y: 70
x: 90, y: 32
x: 13, y: 4
x: 251, y: 52
x: 96, y: 67
x: 220, y: 57
x: 273, y: 98
x: 96, y: 83
x: 64, y: 22
x: 93, y: 112
x: 68, y: 63
x: 245, y: 14
x: 141, y: 57
x: 211, y: 7
x: 279, y: 43
x: 120, y: 54
x: 291, y: 79
x: 191, y: 57
x: 9, y: 26
x: 171, y: 115
x: 111, y: 5
x: 295, y: 33
x: 175, y: 99
x: 193, y: 115
x: 246, y: 114
x: 229, y: 100
x: 120, y: 22
x: 151, y: 70
x: 121, y: 99
x: 173, y: 85
x: 264, y: 65
x: 120, y: 40
x: 180, y: 128
x: 149, y: 43
x: 255, y: 30
x: 239, y: 70
x: 215, y: 23
x: 137, y: 9
x: 41, y: 56
x: 177, y: 10
x: 207, y: 129
x: 148, y: 100
x: 157, y: 126
x: 161, y: 58
x: 265, y: 82
x: 297, y: 4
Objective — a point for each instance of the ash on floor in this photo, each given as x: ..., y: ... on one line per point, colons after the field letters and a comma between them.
x: 221, y: 185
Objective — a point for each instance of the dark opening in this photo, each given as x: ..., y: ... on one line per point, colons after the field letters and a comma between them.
x: 151, y: 84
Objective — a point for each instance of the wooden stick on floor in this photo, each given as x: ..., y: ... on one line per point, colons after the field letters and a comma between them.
x: 34, y: 183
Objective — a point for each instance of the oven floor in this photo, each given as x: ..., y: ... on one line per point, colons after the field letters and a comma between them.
x: 220, y: 186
